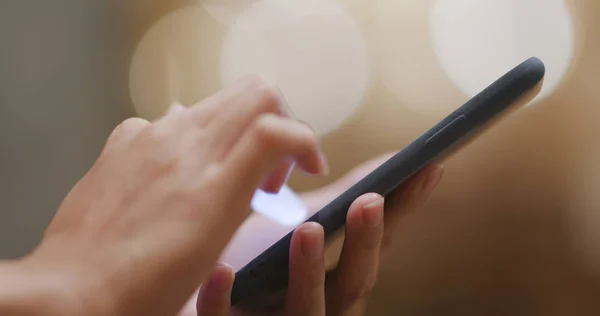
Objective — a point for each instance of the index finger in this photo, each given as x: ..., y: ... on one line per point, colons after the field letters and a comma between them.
x: 270, y: 140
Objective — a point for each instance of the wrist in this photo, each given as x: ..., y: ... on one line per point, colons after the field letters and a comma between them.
x: 40, y: 285
x: 25, y: 292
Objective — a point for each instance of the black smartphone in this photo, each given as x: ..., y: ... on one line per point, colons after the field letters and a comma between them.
x: 268, y: 272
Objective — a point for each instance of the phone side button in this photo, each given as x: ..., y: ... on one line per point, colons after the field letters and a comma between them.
x: 448, y: 129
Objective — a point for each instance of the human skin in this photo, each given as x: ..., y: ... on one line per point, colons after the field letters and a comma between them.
x: 356, y: 272
x: 147, y: 223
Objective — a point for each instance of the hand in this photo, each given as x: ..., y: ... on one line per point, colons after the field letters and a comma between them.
x: 307, y: 293
x: 348, y: 285
x: 148, y: 222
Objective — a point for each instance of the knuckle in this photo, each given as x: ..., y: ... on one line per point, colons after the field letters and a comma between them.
x: 163, y: 155
x: 250, y: 78
x: 298, y: 138
x: 123, y: 134
x: 268, y: 96
x: 254, y: 81
x: 162, y: 163
x: 263, y: 131
x: 130, y: 126
x: 134, y: 122
x: 156, y: 134
x: 307, y: 139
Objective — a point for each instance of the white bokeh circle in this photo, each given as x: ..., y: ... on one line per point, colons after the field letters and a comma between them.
x: 176, y: 60
x: 311, y: 49
x: 225, y: 11
x: 476, y: 41
x: 405, y: 61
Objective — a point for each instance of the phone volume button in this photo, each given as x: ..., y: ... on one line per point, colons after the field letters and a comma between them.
x: 447, y: 130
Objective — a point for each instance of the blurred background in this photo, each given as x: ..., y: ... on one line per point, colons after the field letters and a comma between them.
x: 514, y: 228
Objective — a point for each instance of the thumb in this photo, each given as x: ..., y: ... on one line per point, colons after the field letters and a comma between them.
x: 215, y: 292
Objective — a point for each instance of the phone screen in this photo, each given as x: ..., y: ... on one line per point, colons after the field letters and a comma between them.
x: 273, y: 216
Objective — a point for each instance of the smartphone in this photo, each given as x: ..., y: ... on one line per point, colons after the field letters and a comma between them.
x: 268, y: 272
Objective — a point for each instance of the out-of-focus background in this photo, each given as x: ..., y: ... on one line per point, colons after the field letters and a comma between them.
x: 514, y: 228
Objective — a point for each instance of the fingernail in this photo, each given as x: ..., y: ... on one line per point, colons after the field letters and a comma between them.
x: 312, y: 240
x: 221, y: 277
x: 372, y: 213
x: 175, y: 108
